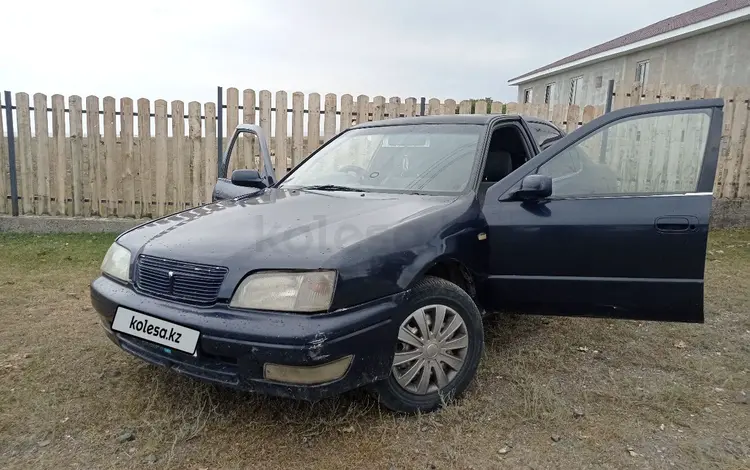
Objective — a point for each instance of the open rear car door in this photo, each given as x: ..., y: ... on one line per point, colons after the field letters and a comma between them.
x: 611, y: 220
x: 244, y: 182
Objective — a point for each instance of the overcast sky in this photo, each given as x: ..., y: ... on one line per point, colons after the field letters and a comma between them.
x: 183, y: 49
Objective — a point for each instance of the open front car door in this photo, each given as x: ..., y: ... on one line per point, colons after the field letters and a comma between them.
x: 244, y: 181
x: 612, y: 220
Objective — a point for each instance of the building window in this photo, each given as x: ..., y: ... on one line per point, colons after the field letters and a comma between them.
x: 527, y: 95
x: 641, y: 72
x: 549, y: 93
x: 575, y: 89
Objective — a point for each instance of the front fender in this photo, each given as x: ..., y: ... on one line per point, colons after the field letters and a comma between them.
x: 398, y: 258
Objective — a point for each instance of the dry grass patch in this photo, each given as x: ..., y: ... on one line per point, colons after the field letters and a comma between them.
x: 551, y: 392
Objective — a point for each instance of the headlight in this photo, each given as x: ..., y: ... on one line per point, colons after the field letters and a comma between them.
x: 286, y: 291
x: 117, y: 262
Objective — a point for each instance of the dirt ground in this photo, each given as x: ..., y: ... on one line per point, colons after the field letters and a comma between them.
x: 551, y: 392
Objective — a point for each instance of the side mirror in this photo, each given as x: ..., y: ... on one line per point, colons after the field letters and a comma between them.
x: 248, y: 178
x: 534, y: 187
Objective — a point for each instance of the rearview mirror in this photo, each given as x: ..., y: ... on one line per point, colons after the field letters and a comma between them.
x: 248, y: 178
x: 534, y: 187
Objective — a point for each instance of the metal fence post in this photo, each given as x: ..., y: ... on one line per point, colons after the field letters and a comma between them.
x: 610, y: 92
x: 607, y: 109
x: 421, y: 106
x: 11, y: 155
x: 220, y: 125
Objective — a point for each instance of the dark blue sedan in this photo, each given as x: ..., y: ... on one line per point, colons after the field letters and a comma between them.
x: 375, y: 260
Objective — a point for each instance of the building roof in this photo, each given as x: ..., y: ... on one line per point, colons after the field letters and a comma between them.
x: 663, y: 27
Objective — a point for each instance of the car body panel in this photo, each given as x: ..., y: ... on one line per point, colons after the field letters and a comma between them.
x: 234, y: 345
x: 378, y: 243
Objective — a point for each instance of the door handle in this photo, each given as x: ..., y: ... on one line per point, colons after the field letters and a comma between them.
x: 671, y: 224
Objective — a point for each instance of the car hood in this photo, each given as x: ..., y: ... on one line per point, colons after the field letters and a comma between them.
x: 278, y: 228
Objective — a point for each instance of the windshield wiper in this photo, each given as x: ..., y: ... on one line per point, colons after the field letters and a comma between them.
x: 331, y: 187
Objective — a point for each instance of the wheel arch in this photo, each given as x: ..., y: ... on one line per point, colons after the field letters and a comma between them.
x: 452, y: 270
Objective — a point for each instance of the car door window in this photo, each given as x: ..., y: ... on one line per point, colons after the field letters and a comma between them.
x: 652, y: 153
x: 542, y: 132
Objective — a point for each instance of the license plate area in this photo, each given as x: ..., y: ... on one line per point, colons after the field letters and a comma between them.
x: 155, y: 330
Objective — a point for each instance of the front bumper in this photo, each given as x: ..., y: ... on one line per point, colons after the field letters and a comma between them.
x: 235, y: 345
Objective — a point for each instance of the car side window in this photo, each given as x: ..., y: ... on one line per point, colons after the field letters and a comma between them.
x: 541, y: 132
x: 652, y: 153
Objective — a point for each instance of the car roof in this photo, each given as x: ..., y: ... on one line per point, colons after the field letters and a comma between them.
x: 478, y: 119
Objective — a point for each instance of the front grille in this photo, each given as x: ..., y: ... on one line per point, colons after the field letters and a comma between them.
x: 191, y: 283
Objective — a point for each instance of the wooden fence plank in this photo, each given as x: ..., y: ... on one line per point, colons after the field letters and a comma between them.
x: 194, y: 167
x: 264, y: 117
x: 280, y: 135
x: 24, y: 156
x: 110, y: 157
x: 589, y: 113
x: 673, y: 175
x: 393, y: 108
x: 696, y: 126
x: 362, y: 109
x: 128, y: 167
x: 630, y: 169
x: 558, y: 115
x: 41, y: 132
x: 647, y: 154
x: 76, y: 152
x: 571, y: 119
x: 496, y: 107
x: 539, y: 110
x: 378, y: 109
x: 733, y: 164
x: 662, y: 144
x: 743, y: 180
x: 180, y: 159
x: 161, y: 160
x: 298, y: 127
x: 347, y: 113
x: 249, y: 148
x: 650, y: 93
x: 58, y: 162
x: 5, y: 202
x: 621, y: 98
x: 95, y: 155
x: 233, y: 116
x: 410, y: 107
x: 313, y: 124
x: 330, y: 114
x: 696, y: 92
x: 433, y: 107
x: 449, y: 107
x: 145, y: 164
x: 210, y: 167
x: 728, y: 93
x: 464, y: 107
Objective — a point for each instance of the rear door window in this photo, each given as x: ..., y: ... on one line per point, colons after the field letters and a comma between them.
x: 542, y: 132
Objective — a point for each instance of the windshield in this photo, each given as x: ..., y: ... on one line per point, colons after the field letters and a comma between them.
x: 417, y: 158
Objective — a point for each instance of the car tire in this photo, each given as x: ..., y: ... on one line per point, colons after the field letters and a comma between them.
x: 427, y: 297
